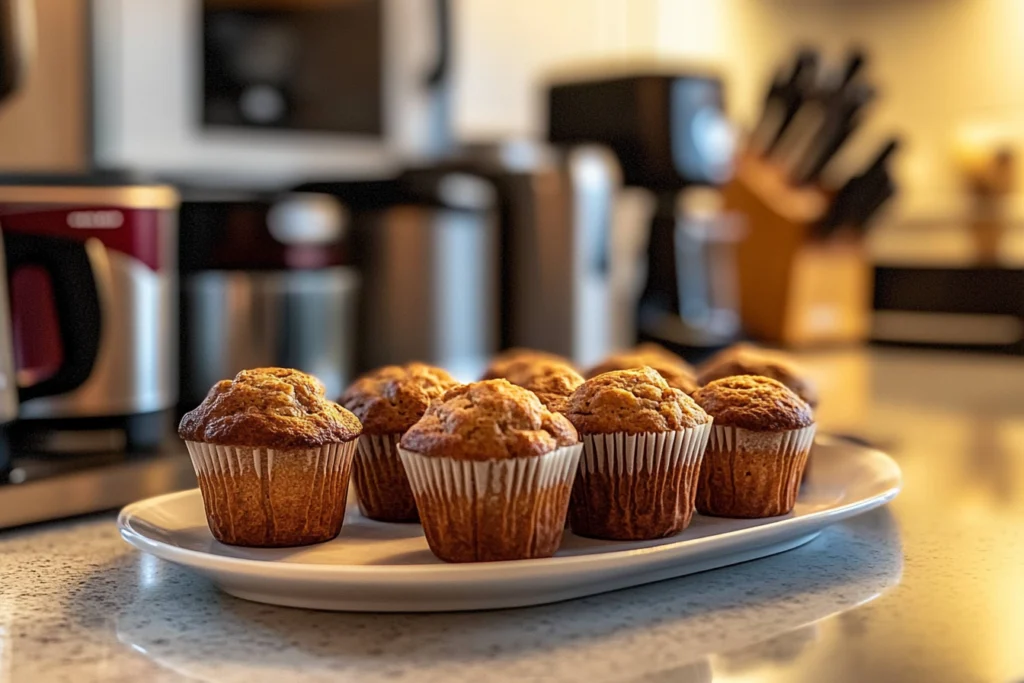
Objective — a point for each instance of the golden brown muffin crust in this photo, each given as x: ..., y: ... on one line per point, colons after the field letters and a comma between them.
x: 753, y: 361
x: 391, y: 399
x: 516, y: 359
x: 553, y: 381
x: 634, y: 401
x: 652, y: 350
x: 677, y: 373
x: 759, y: 404
x: 271, y: 408
x: 728, y: 352
x: 489, y: 420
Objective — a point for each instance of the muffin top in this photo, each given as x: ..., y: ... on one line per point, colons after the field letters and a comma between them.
x: 728, y: 352
x: 514, y: 360
x: 553, y: 381
x: 677, y: 373
x: 271, y: 408
x: 391, y: 399
x: 634, y: 401
x: 652, y: 350
x: 749, y: 360
x: 760, y: 404
x: 489, y: 420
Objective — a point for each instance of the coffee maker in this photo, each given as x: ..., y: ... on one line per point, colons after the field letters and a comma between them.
x: 266, y: 279
x: 497, y: 245
x: 556, y: 207
x: 671, y: 138
x: 96, y: 357
x: 426, y: 243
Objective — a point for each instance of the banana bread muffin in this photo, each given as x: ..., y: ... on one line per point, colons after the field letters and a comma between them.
x: 727, y: 352
x: 553, y: 381
x: 750, y: 360
x: 273, y: 458
x: 643, y: 441
x: 516, y: 360
x: 388, y: 401
x: 677, y: 372
x: 491, y: 469
x: 758, y: 449
x: 652, y: 350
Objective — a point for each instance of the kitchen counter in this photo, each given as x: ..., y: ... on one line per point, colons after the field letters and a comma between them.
x: 930, y: 588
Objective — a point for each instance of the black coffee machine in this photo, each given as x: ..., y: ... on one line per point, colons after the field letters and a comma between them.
x: 671, y: 138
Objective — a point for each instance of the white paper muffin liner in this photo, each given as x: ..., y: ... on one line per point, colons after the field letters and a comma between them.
x: 753, y: 474
x: 382, y: 486
x: 635, y: 486
x: 273, y: 497
x: 619, y: 452
x: 476, y: 510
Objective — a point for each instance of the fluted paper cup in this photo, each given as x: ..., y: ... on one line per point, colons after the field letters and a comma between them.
x: 752, y: 474
x: 637, y: 486
x: 270, y: 498
x: 481, y: 511
x: 382, y: 487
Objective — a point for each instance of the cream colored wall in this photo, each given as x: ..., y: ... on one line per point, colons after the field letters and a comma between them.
x: 504, y: 50
x: 943, y: 65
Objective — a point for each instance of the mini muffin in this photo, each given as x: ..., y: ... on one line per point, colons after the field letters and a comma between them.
x: 388, y: 401
x: 643, y: 441
x: 491, y: 469
x: 553, y: 381
x: 652, y: 350
x: 516, y: 359
x: 728, y: 352
x: 750, y: 360
x: 273, y: 458
x: 677, y: 372
x: 758, y: 449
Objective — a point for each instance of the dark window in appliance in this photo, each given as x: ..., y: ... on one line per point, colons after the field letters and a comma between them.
x: 314, y: 66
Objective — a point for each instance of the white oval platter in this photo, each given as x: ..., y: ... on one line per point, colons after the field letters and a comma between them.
x: 379, y: 567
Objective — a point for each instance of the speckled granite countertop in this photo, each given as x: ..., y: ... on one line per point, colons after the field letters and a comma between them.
x: 930, y: 588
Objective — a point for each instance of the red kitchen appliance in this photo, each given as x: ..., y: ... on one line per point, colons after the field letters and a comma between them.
x: 96, y: 366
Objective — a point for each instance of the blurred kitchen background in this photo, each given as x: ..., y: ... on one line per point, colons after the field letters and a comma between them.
x: 191, y: 187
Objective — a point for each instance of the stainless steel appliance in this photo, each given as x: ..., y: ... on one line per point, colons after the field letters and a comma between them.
x: 671, y: 137
x: 427, y: 245
x: 499, y: 245
x: 557, y: 209
x: 40, y: 486
x: 265, y: 281
x: 35, y: 487
x: 113, y: 366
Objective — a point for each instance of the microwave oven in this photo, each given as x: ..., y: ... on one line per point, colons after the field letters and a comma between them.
x: 236, y: 91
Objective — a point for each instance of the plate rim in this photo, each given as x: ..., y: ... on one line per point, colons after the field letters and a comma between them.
x: 269, y: 570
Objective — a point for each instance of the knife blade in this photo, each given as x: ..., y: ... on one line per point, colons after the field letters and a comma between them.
x: 797, y: 90
x: 761, y: 134
x: 840, y: 120
x: 859, y: 199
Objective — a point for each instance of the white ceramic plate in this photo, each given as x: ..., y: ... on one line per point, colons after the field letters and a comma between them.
x: 378, y: 567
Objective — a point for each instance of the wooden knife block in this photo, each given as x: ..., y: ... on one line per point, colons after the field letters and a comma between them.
x: 796, y: 290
